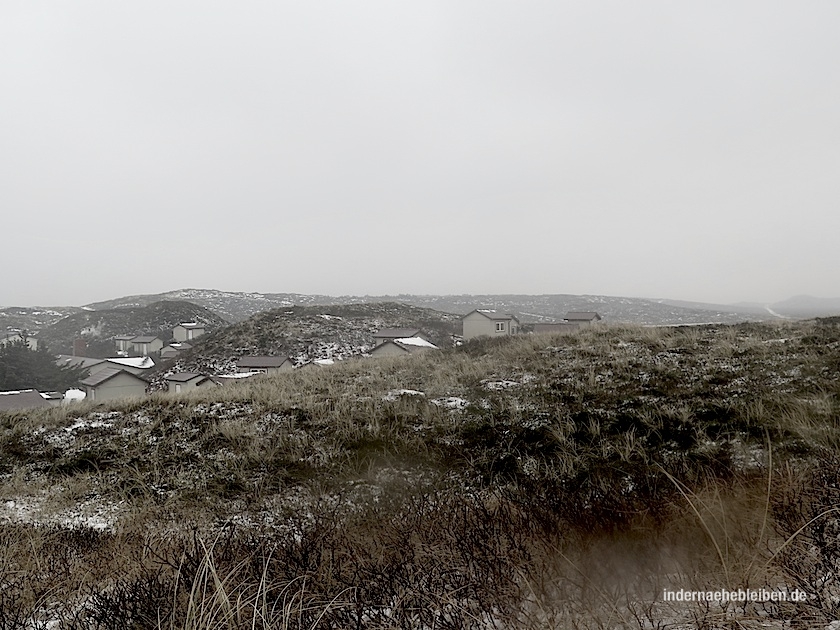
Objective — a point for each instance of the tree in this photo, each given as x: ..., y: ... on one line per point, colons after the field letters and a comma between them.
x: 24, y: 368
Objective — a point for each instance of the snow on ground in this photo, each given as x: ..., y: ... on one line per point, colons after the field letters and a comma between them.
x: 451, y: 402
x: 496, y: 385
x: 394, y: 394
x: 93, y: 513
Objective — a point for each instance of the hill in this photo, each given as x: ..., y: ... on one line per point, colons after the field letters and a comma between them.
x: 303, y: 333
x: 236, y: 307
x: 100, y: 327
x: 530, y: 482
x: 33, y: 319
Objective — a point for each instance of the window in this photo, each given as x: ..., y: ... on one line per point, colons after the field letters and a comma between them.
x: 500, y: 327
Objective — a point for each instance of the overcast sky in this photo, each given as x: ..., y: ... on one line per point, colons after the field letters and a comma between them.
x: 649, y: 149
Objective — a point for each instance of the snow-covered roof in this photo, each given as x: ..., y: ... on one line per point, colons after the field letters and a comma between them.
x: 190, y: 325
x: 238, y: 375
x: 415, y: 341
x: 15, y: 392
x: 136, y: 362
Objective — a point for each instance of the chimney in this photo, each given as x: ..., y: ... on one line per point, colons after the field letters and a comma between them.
x: 79, y: 347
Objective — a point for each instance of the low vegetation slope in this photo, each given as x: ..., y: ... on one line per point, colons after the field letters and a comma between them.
x: 238, y: 306
x: 99, y: 328
x: 32, y: 319
x: 320, y: 332
x: 531, y: 482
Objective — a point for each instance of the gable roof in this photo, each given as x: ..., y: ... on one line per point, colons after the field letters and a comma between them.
x: 490, y: 313
x: 107, y: 374
x: 407, y: 344
x: 185, y: 377
x: 190, y: 325
x: 124, y: 337
x: 141, y: 363
x: 66, y: 360
x: 144, y: 339
x: 416, y: 342
x: 582, y: 316
x: 396, y: 333
x: 261, y: 362
x: 22, y: 399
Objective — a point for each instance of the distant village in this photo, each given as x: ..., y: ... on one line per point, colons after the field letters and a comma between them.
x: 124, y: 375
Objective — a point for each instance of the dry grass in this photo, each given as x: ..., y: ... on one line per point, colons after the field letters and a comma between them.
x: 575, y: 478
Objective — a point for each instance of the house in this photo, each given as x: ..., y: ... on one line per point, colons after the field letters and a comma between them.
x: 488, y: 323
x: 187, y: 331
x: 112, y: 383
x: 582, y: 318
x: 144, y: 345
x: 16, y: 336
x: 389, y: 334
x: 173, y: 350
x: 401, y: 347
x: 123, y: 343
x: 135, y: 365
x: 555, y: 328
x: 264, y: 365
x: 185, y: 381
x: 22, y: 399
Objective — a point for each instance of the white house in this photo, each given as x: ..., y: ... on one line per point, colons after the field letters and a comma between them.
x: 113, y: 383
x: 264, y: 365
x: 185, y: 381
x: 582, y: 318
x: 483, y: 322
x: 145, y: 345
x: 187, y: 331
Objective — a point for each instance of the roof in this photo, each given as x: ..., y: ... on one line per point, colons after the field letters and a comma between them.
x: 415, y: 341
x: 261, y: 362
x: 144, y: 339
x: 190, y: 325
x: 396, y: 333
x: 106, y: 374
x: 124, y: 337
x: 582, y: 315
x: 22, y: 399
x: 184, y: 377
x: 489, y: 313
x: 408, y: 344
x: 143, y: 363
x: 65, y: 360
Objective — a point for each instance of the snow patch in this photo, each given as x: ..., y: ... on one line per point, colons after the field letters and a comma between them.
x: 395, y: 394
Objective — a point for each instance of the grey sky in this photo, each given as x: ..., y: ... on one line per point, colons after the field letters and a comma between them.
x: 651, y: 149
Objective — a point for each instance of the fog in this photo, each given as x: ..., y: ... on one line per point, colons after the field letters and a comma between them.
x: 650, y: 150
